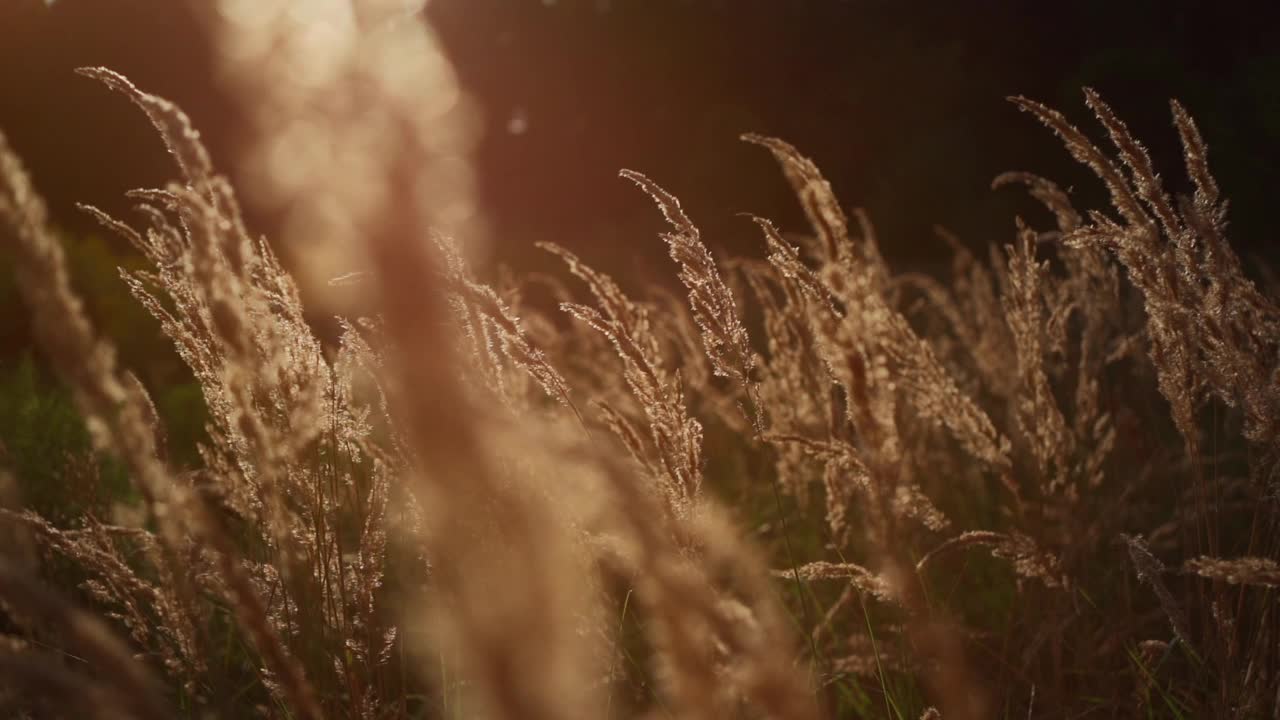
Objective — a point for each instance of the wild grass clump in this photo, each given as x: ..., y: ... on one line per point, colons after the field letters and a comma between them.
x: 1044, y: 486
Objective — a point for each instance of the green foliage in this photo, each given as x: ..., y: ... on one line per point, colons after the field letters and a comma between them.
x: 95, y: 265
x: 45, y: 445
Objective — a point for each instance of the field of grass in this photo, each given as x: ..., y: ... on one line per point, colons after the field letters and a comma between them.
x: 806, y: 486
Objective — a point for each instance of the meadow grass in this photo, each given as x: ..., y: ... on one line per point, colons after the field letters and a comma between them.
x: 809, y: 486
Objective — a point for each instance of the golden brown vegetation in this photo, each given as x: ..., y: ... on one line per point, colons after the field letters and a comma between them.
x: 472, y: 506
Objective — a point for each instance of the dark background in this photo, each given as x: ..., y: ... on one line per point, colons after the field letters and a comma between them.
x: 901, y: 104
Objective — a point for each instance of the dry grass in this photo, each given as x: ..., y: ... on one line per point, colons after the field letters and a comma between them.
x: 472, y: 506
